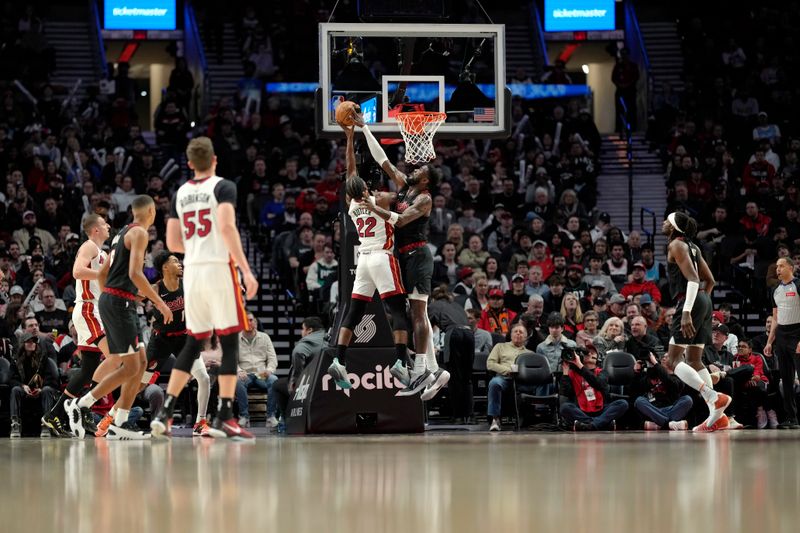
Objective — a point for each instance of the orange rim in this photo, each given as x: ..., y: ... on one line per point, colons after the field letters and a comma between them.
x: 414, y: 121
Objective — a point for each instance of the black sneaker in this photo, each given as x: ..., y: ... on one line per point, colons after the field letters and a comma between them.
x: 56, y: 426
x: 126, y: 431
x: 788, y: 424
x: 582, y: 426
x: 87, y: 418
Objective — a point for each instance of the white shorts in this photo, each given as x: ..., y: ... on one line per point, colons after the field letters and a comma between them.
x: 377, y: 270
x: 86, y: 317
x: 213, y: 300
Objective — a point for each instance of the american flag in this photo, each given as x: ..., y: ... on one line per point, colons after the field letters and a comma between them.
x: 484, y: 114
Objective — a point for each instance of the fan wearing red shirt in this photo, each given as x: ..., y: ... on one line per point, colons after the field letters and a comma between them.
x: 496, y: 318
x: 639, y: 285
x: 754, y: 219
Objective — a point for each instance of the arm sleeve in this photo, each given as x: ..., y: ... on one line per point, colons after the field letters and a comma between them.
x: 173, y: 207
x: 312, y: 281
x: 225, y: 191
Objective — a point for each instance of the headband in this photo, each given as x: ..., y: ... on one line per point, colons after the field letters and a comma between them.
x: 672, y: 221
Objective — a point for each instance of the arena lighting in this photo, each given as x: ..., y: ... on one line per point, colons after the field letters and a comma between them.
x: 143, y: 93
x: 585, y: 69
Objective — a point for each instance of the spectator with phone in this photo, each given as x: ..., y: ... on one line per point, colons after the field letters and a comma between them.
x: 33, y: 378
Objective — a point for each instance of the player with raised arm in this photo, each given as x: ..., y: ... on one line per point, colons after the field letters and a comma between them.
x: 413, y: 205
x: 691, y: 326
x: 202, y: 226
x: 121, y: 278
x: 91, y: 341
x: 377, y: 268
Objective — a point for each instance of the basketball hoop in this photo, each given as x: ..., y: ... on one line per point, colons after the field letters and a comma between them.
x: 418, y: 129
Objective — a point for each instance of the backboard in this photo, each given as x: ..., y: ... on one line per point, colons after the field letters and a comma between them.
x: 387, y: 68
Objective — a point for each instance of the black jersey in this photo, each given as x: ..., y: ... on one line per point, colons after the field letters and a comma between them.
x: 174, y: 300
x: 413, y: 232
x: 118, y: 278
x: 677, y: 281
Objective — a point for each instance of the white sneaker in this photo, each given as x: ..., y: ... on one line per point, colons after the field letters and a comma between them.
x: 772, y: 418
x: 419, y: 380
x: 272, y: 422
x: 495, y: 425
x: 651, y: 426
x: 733, y: 424
x: 441, y: 377
x: 73, y: 411
x: 680, y: 425
x: 244, y: 422
x: 761, y: 418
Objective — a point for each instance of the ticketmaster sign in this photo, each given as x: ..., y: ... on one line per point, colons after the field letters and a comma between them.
x: 579, y: 15
x: 139, y: 14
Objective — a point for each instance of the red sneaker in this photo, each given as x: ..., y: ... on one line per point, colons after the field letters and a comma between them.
x: 221, y: 429
x: 102, y: 427
x: 722, y: 423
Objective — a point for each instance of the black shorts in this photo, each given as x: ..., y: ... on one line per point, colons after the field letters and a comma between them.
x: 701, y: 318
x: 161, y: 347
x: 121, y: 323
x: 416, y: 266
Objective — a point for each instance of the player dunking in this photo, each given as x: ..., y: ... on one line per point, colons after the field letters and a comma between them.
x: 202, y: 226
x: 413, y: 203
x: 168, y: 339
x: 91, y: 339
x: 691, y: 326
x: 377, y: 269
x: 121, y: 278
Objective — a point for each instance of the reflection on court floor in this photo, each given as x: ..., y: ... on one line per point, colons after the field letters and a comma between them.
x: 523, y: 482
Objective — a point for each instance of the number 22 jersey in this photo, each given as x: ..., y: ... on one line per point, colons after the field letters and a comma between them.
x: 374, y: 233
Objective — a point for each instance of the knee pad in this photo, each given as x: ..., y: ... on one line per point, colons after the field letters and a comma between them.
x: 397, y: 308
x: 190, y: 352
x: 354, y: 313
x: 230, y: 354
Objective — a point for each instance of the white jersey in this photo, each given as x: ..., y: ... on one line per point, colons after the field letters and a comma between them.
x: 374, y: 233
x: 195, y: 206
x: 87, y: 291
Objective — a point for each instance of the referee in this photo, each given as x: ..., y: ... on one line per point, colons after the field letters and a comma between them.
x: 786, y: 335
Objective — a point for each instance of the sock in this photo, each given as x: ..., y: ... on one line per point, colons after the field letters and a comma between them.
x: 691, y: 377
x: 169, y: 405
x: 430, y: 352
x: 203, y: 387
x: 401, y: 352
x: 225, y: 408
x: 87, y: 400
x: 121, y: 417
x: 341, y: 349
x: 112, y: 411
x: 419, y: 363
x: 706, y: 377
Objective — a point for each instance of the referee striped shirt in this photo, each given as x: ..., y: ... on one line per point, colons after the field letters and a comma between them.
x: 786, y: 299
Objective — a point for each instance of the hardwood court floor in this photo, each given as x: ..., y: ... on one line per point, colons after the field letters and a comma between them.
x: 497, y: 483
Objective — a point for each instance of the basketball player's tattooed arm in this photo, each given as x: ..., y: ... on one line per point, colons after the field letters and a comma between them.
x: 679, y: 251
x: 419, y: 207
x: 137, y: 241
x: 81, y: 269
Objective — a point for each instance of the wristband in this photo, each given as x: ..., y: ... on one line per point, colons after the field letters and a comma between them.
x: 691, y: 294
x: 393, y: 218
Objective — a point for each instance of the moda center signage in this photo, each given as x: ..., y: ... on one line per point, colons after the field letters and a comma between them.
x: 318, y: 405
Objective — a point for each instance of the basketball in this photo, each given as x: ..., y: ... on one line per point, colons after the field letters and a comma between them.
x: 355, y: 187
x: 345, y: 113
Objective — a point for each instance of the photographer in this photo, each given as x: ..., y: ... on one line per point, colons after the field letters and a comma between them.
x: 585, y: 387
x: 659, y: 395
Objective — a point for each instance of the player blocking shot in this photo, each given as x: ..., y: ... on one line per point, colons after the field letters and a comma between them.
x: 413, y: 208
x: 377, y: 268
x: 691, y: 326
x: 202, y: 226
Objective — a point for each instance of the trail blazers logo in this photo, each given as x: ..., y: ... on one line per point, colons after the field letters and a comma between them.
x: 366, y: 329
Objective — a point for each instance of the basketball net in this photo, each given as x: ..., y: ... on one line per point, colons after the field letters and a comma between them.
x: 418, y: 129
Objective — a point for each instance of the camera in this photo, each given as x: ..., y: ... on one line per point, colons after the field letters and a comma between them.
x: 568, y: 354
